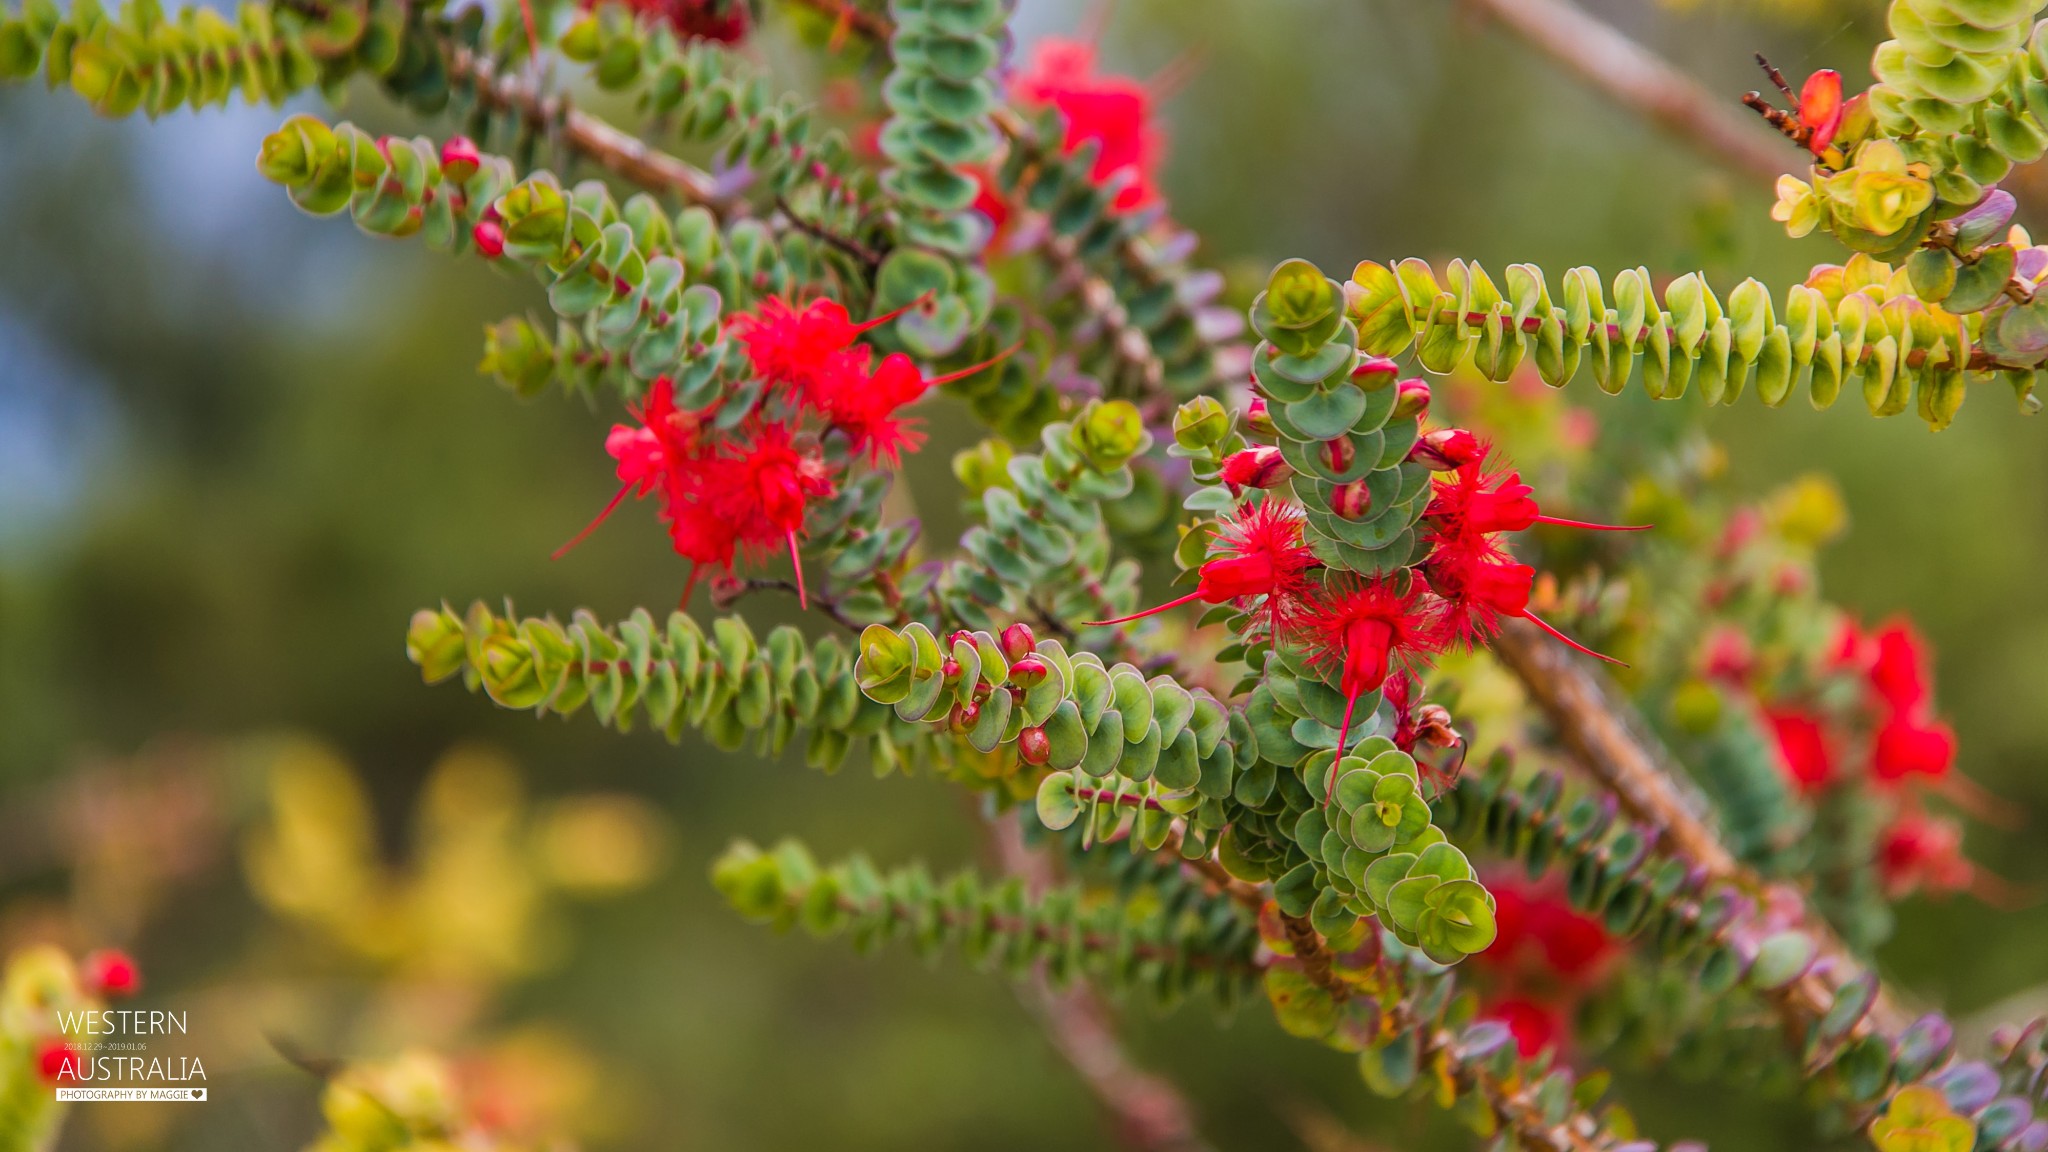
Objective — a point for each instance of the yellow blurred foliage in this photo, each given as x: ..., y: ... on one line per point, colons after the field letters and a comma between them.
x: 472, y: 903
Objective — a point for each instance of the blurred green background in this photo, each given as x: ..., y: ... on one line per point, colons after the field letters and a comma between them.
x: 238, y: 447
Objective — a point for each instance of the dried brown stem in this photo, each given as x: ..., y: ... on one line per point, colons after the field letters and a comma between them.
x: 1639, y: 79
x: 609, y: 148
x: 1598, y: 730
x: 1149, y: 1113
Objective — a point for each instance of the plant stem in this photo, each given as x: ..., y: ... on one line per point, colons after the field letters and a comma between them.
x: 1616, y: 752
x: 1643, y: 81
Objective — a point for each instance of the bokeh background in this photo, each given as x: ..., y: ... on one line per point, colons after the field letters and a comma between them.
x: 239, y: 446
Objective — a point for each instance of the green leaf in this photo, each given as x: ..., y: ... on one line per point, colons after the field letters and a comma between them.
x: 1058, y: 807
x: 1980, y: 285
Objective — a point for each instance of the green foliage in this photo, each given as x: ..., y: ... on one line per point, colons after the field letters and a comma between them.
x: 1131, y: 949
x: 1962, y: 88
x: 138, y: 59
x: 706, y: 94
x: 1335, y: 415
x: 1157, y: 333
x: 1854, y: 325
x: 726, y: 683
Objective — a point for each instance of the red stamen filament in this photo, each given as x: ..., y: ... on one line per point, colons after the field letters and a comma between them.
x: 1563, y: 523
x: 592, y: 526
x: 964, y: 373
x: 803, y: 597
x: 1568, y: 642
x: 1170, y: 604
x: 1343, y: 735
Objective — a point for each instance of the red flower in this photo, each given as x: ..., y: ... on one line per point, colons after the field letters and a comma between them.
x: 1573, y: 943
x: 57, y: 1060
x: 650, y: 454
x: 1821, y: 109
x: 804, y: 348
x: 722, y: 20
x: 1467, y: 565
x: 1803, y: 749
x: 1115, y: 112
x: 1260, y: 467
x: 111, y: 973
x: 1534, y: 1026
x: 1919, y: 851
x: 1898, y: 674
x: 1907, y: 747
x: 1367, y: 629
x: 1260, y: 553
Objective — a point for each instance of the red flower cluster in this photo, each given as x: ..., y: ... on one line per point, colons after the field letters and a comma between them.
x: 1113, y: 111
x: 722, y: 20
x: 1261, y: 554
x: 744, y: 494
x: 1477, y: 502
x: 1910, y: 741
x: 1544, y: 953
x: 1368, y: 629
x: 110, y: 974
x: 1920, y: 851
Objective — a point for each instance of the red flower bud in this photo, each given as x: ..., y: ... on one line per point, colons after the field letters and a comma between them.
x: 966, y: 716
x: 1351, y: 501
x: 1034, y: 746
x: 1339, y: 453
x: 1018, y: 641
x: 490, y: 239
x: 1446, y: 449
x: 460, y: 159
x: 1257, y: 419
x: 1374, y: 373
x: 1412, y: 400
x: 1260, y: 467
x: 1029, y: 672
x: 950, y: 668
x: 111, y: 973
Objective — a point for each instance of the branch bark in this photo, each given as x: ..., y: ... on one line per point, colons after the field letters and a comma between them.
x: 1638, y: 78
x: 1613, y: 748
x: 611, y: 149
x: 1149, y: 1113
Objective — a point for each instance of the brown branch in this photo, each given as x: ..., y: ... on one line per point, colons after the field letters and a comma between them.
x: 1616, y: 753
x: 1639, y: 79
x: 1150, y: 1114
x: 611, y: 149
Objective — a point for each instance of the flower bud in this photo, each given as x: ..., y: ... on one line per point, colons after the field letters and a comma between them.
x: 1374, y: 373
x: 460, y: 159
x: 966, y: 716
x: 518, y: 355
x: 1018, y: 641
x: 1339, y: 454
x: 535, y: 212
x: 295, y: 152
x: 1446, y: 450
x: 435, y: 642
x: 1200, y: 423
x: 950, y: 669
x: 1257, y: 418
x: 1029, y: 672
x: 1411, y: 402
x: 1034, y: 746
x: 1351, y: 501
x: 490, y: 239
x: 1109, y: 433
x: 111, y: 974
x: 1260, y: 467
